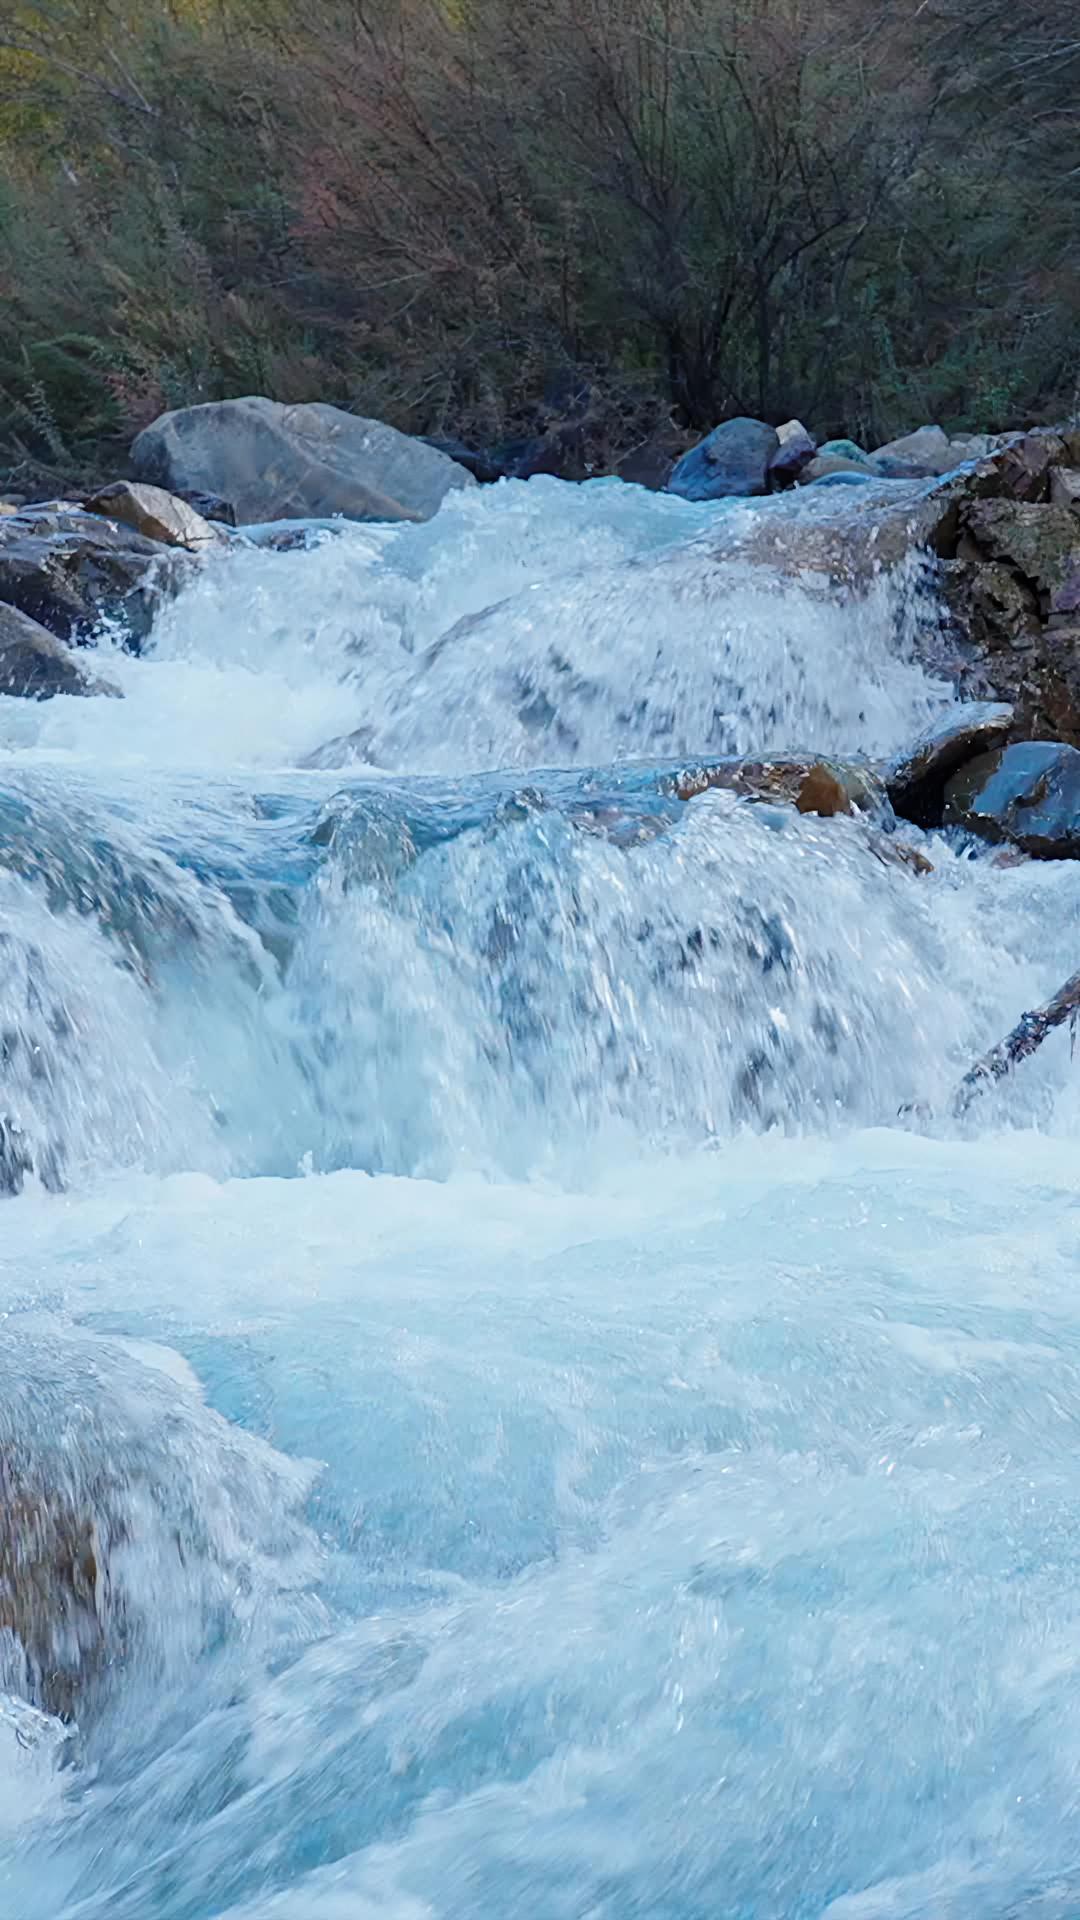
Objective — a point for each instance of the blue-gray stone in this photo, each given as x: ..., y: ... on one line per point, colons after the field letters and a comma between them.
x: 732, y: 462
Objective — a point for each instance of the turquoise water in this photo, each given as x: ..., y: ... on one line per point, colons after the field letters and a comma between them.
x: 565, y: 1448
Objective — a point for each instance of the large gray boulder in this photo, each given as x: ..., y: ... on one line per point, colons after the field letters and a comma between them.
x: 276, y: 462
x: 732, y: 462
x: 35, y: 665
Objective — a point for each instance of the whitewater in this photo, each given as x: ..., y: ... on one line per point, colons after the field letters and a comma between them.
x: 577, y: 1430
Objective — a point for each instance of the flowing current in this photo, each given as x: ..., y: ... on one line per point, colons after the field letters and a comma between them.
x: 528, y: 1429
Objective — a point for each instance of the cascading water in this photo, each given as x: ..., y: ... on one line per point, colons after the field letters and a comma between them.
x: 507, y: 1418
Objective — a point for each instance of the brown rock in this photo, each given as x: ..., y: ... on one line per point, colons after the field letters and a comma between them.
x: 53, y: 1586
x: 1040, y: 542
x: 1004, y: 610
x: 825, y: 787
x: 1025, y: 464
x: 153, y: 512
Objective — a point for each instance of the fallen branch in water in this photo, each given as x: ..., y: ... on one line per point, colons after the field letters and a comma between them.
x: 1029, y: 1032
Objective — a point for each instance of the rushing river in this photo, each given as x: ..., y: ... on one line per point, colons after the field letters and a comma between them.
x: 569, y: 1448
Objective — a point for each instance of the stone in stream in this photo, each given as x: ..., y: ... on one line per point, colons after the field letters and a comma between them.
x: 1027, y: 794
x: 276, y: 462
x: 70, y: 570
x: 836, y: 456
x: 732, y: 462
x: 793, y: 455
x: 53, y: 1589
x: 916, y: 782
x: 811, y: 785
x: 35, y: 665
x: 928, y: 451
x: 155, y: 513
x: 137, y: 1526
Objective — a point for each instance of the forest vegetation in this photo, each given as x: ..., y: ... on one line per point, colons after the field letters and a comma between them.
x: 470, y: 217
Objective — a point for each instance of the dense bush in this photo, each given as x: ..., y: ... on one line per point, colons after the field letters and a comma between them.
x: 472, y: 216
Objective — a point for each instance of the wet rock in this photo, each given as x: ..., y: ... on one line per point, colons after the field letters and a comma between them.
x: 998, y: 611
x: 53, y: 1588
x: 16, y: 1160
x: 153, y: 512
x: 135, y: 1524
x: 916, y: 783
x: 812, y: 785
x: 35, y: 665
x: 732, y: 462
x: 1027, y: 794
x: 70, y: 570
x: 1009, y: 559
x: 794, y: 454
x: 277, y: 462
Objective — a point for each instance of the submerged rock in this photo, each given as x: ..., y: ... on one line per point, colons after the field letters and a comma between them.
x: 35, y: 665
x: 155, y: 513
x: 825, y: 787
x: 53, y: 1587
x: 732, y: 462
x: 70, y: 570
x: 276, y: 462
x: 1028, y: 794
x: 916, y: 783
x: 135, y: 1524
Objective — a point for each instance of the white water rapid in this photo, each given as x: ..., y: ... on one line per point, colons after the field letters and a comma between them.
x: 553, y: 1442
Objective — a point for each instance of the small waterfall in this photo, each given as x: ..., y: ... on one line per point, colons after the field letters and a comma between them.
x: 505, y: 1415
